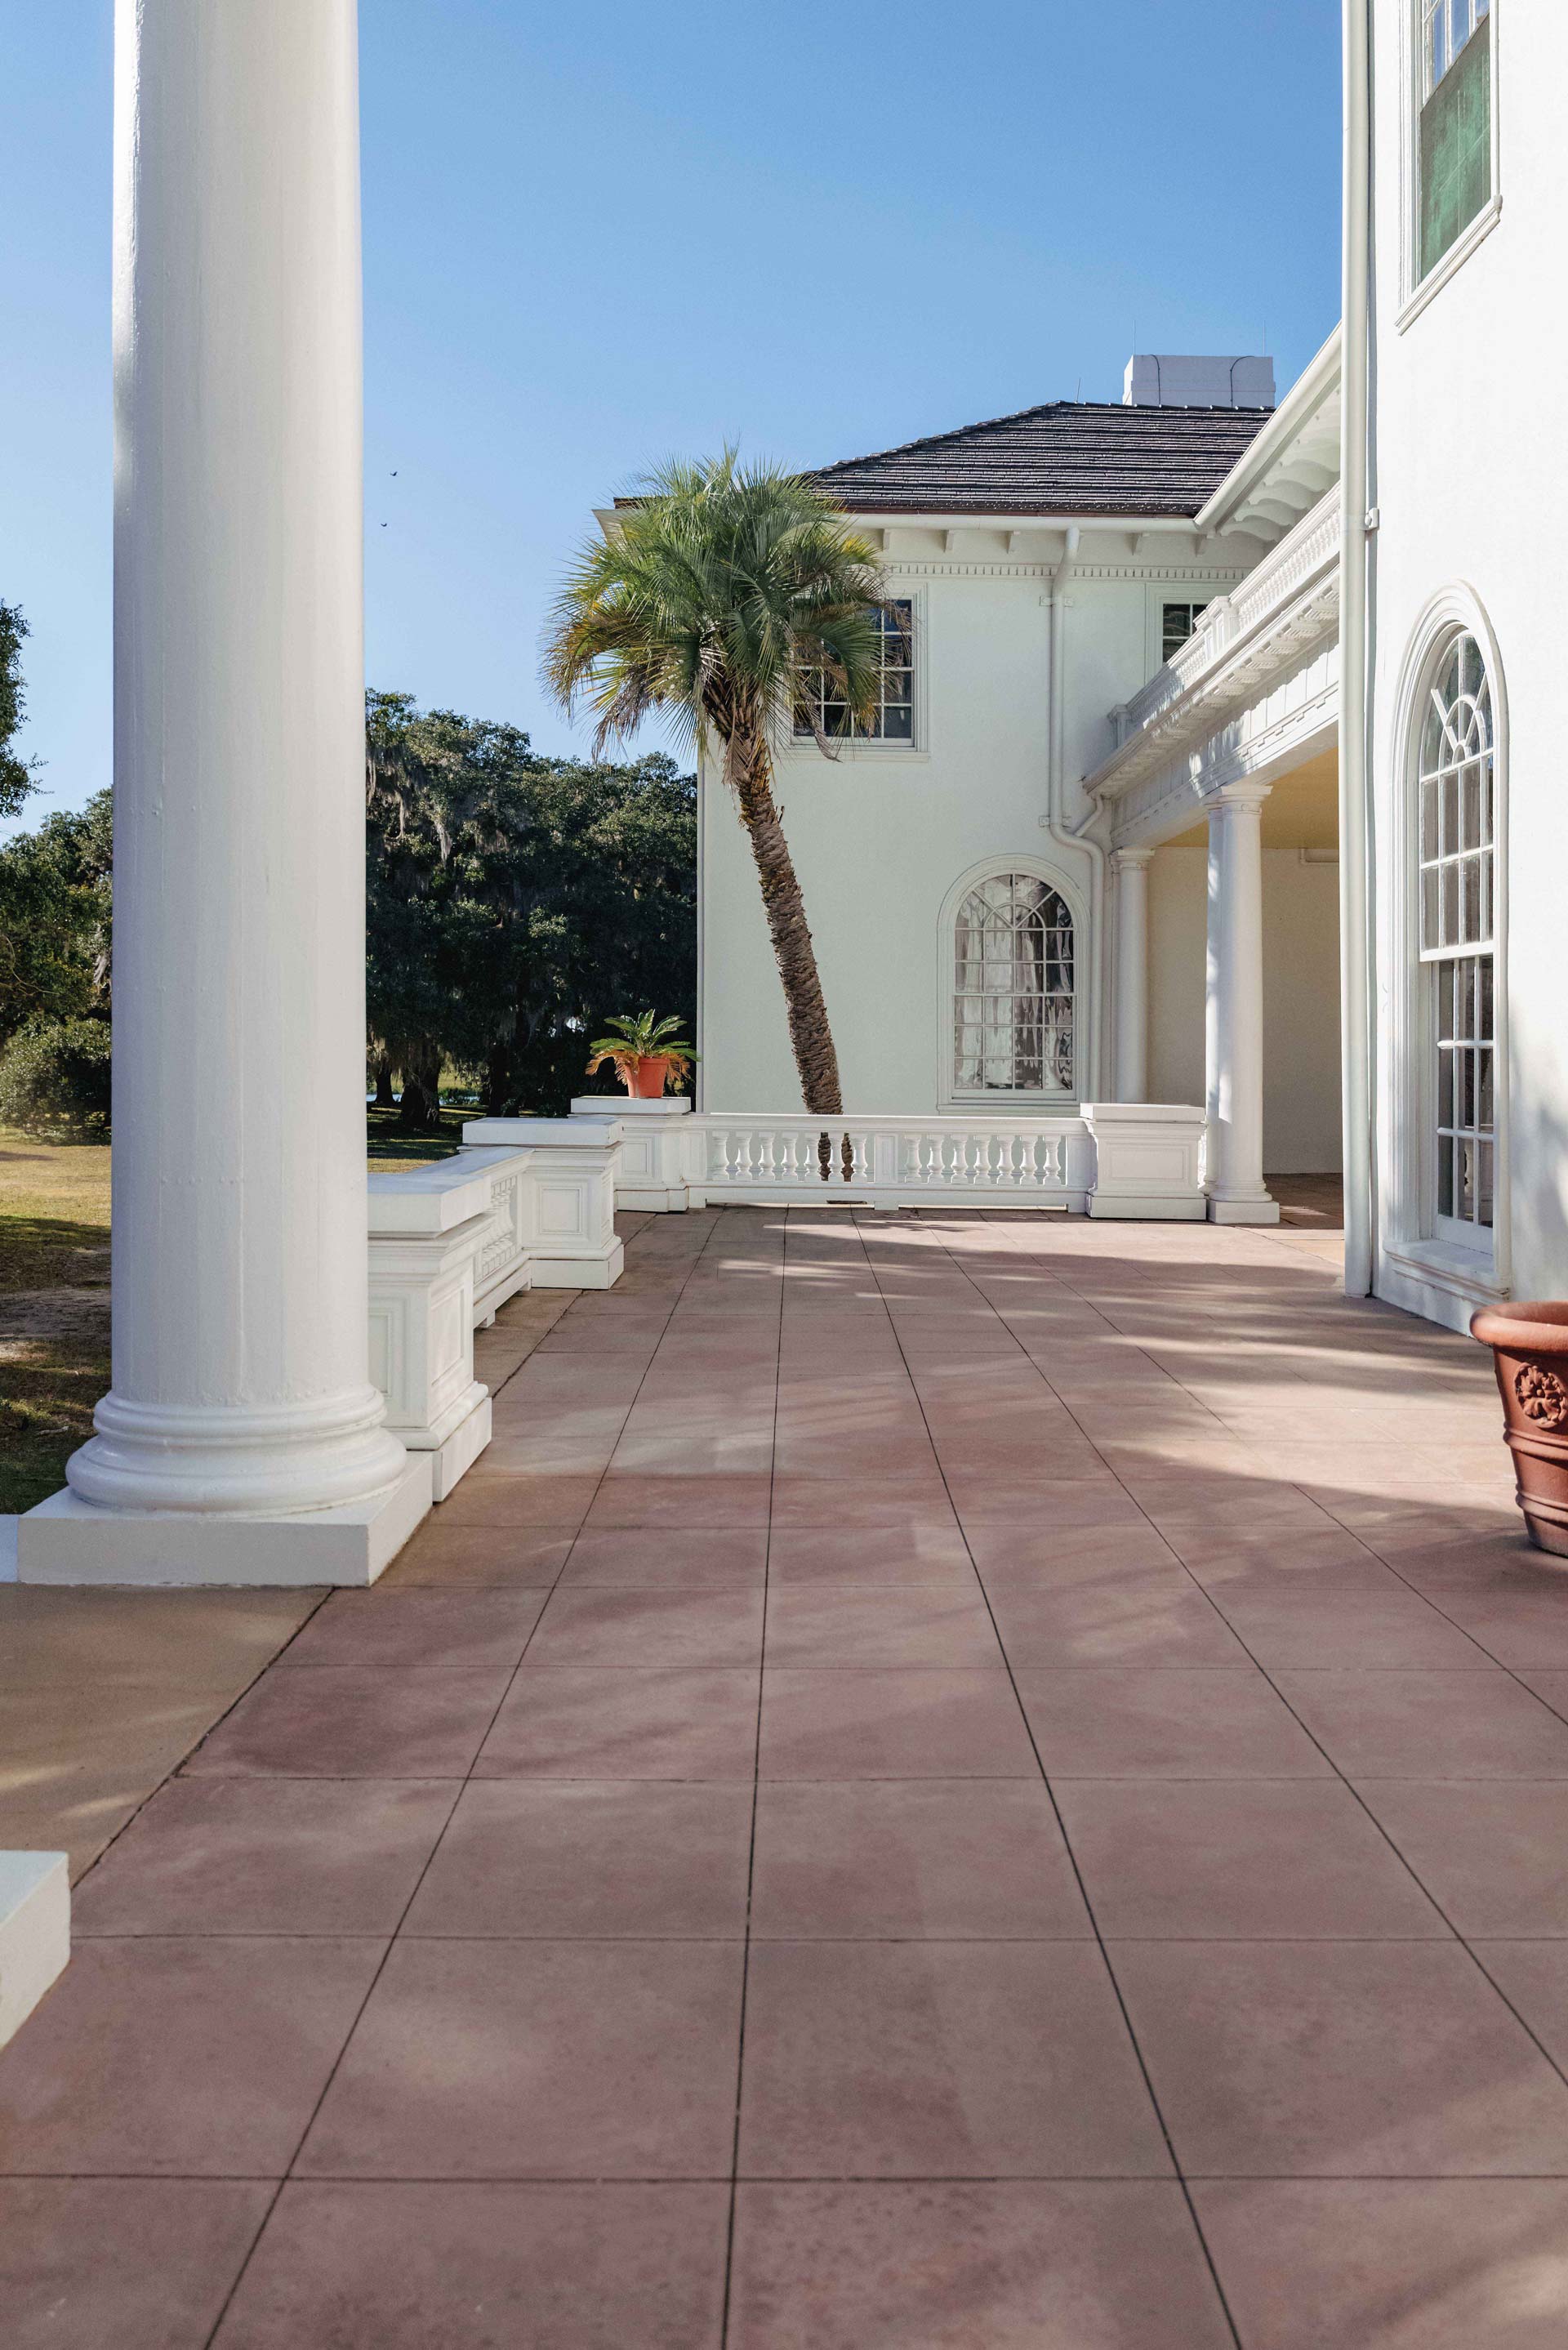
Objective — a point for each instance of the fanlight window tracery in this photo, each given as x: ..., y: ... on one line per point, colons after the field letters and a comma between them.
x: 1458, y: 817
x: 1012, y: 991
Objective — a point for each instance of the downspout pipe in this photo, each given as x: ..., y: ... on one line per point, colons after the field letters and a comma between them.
x: 1057, y: 795
x: 1355, y: 830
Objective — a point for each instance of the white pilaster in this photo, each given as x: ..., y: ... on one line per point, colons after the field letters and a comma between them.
x: 1234, y: 1023
x: 1131, y: 868
x: 241, y: 1388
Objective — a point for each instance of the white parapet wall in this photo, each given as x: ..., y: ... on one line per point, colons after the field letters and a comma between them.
x: 429, y: 1228
x: 569, y: 1193
x: 34, y: 1932
x: 505, y: 1254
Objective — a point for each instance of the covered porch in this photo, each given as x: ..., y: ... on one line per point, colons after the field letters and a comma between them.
x: 947, y: 1778
x: 1219, y: 811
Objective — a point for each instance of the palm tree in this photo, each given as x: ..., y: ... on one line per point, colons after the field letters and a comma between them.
x: 724, y: 595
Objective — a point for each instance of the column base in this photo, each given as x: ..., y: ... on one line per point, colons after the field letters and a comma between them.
x: 34, y: 1932
x: 66, y: 1540
x: 1153, y: 1208
x: 1244, y: 1211
x: 456, y: 1451
x: 579, y: 1272
x: 656, y: 1199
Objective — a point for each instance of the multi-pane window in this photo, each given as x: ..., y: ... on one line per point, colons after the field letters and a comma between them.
x: 1176, y: 624
x: 1013, y: 990
x: 1457, y: 787
x: 893, y: 720
x: 1455, y: 121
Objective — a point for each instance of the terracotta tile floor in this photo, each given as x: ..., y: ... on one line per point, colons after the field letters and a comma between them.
x: 947, y: 1783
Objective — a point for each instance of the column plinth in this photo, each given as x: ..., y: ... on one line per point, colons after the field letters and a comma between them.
x: 241, y: 1394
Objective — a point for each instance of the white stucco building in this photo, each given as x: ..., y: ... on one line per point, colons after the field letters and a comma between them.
x: 1096, y: 856
x: 1456, y: 348
x: 1009, y: 886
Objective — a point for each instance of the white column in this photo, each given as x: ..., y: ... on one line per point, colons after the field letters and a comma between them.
x: 1131, y: 867
x: 1234, y: 1023
x: 240, y: 1385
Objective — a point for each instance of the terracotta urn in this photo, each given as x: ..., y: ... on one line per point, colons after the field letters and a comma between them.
x: 1529, y: 1346
x: 647, y: 1082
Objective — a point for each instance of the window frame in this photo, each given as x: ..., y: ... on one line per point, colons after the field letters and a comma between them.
x: 1460, y: 970
x: 883, y: 746
x: 1416, y: 290
x: 1436, y: 1263
x: 999, y: 1103
x: 1162, y: 592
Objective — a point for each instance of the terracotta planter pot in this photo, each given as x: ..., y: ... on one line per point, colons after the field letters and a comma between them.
x: 1529, y: 1353
x: 647, y: 1084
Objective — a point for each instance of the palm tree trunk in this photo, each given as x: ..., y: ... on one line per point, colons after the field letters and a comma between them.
x: 809, y: 1034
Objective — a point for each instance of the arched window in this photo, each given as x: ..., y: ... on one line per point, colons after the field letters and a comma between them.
x: 1457, y: 821
x: 1013, y: 990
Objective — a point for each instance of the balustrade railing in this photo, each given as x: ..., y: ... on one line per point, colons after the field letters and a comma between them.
x: 1312, y: 546
x: 893, y: 1161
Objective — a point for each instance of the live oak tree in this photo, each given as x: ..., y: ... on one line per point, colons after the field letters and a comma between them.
x: 55, y: 892
x: 515, y: 903
x: 15, y: 776
x: 734, y: 599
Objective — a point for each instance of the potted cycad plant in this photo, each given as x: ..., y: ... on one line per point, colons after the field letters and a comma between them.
x: 1529, y: 1346
x: 647, y: 1053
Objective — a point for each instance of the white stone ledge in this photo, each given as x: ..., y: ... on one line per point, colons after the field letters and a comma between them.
x: 34, y: 1932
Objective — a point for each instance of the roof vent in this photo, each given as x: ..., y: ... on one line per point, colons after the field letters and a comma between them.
x: 1167, y: 380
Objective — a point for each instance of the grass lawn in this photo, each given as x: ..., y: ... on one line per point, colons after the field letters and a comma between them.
x: 54, y: 1294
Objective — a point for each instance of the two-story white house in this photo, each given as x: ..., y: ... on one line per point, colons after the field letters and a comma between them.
x: 1009, y: 879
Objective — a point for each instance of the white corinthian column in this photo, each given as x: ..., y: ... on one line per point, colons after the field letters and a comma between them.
x: 241, y: 1439
x: 1235, y: 1028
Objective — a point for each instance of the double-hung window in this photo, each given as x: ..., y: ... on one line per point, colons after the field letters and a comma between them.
x: 1455, y: 139
x: 1176, y: 624
x: 893, y: 719
x: 1458, y: 818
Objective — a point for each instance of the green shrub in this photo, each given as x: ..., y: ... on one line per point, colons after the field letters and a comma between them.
x: 54, y: 1080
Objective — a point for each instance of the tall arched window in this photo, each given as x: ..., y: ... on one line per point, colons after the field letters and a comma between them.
x: 1457, y: 816
x: 1013, y: 990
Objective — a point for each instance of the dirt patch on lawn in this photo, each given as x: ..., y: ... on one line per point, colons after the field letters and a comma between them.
x: 73, y: 1318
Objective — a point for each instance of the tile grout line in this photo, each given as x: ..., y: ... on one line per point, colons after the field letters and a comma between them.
x: 459, y: 1786
x: 756, y: 1788
x: 1115, y: 1988
x: 1345, y: 1781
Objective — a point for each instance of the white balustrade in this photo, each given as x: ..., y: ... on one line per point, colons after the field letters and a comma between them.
x: 892, y: 1162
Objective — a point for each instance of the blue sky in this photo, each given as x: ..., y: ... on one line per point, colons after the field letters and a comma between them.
x: 594, y: 237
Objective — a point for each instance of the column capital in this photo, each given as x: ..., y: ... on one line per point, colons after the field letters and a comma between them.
x: 1130, y: 859
x: 1244, y: 794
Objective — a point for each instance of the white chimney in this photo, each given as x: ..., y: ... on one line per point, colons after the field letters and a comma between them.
x: 1170, y: 380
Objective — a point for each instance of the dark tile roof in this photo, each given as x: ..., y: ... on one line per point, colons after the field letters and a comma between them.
x: 1069, y: 457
